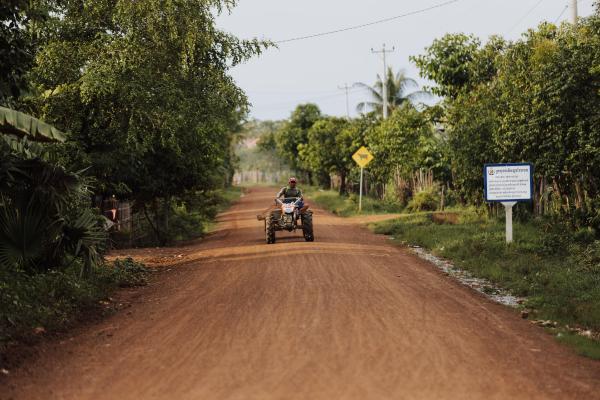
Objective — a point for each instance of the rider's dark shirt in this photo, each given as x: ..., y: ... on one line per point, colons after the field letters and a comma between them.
x: 289, y: 192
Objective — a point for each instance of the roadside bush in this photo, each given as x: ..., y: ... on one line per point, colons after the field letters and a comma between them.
x: 426, y: 200
x: 127, y: 272
x: 189, y: 218
x: 185, y: 224
x: 348, y: 206
x: 53, y: 299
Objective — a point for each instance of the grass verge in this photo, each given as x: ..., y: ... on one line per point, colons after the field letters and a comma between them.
x: 225, y: 198
x: 32, y: 304
x: 583, y: 346
x: 347, y: 206
x: 557, y: 272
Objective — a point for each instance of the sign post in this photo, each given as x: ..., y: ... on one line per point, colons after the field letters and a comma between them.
x: 508, y: 208
x: 362, y: 171
x: 508, y: 184
x: 362, y: 157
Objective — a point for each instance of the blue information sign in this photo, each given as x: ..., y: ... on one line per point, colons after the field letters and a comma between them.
x: 508, y: 182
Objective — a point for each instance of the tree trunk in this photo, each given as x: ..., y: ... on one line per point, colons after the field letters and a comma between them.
x: 342, y: 182
x: 579, y: 199
x: 558, y: 194
x: 154, y: 227
x: 166, y: 213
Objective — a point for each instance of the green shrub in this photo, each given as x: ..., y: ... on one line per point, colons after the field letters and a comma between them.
x: 426, y: 200
x: 54, y: 299
x: 127, y: 272
x: 185, y: 224
x: 346, y: 206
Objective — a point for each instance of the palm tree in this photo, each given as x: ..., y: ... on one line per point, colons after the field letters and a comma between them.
x: 398, y: 92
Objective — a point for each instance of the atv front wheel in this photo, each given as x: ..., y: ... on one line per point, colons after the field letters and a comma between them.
x: 269, y: 230
x: 307, y: 227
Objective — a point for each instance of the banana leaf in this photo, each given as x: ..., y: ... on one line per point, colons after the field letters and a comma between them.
x: 13, y: 122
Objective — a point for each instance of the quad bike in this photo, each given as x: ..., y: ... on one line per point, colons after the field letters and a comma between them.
x: 285, y: 216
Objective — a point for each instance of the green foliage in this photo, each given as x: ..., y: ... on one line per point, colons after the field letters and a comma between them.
x: 53, y: 299
x: 150, y: 108
x: 324, y: 153
x: 16, y: 45
x: 426, y: 200
x: 534, y: 100
x: 42, y: 221
x: 128, y: 273
x: 457, y: 63
x: 16, y: 123
x: 347, y: 206
x: 294, y: 133
x: 584, y: 346
x: 186, y: 224
x: 403, y: 144
x: 400, y: 90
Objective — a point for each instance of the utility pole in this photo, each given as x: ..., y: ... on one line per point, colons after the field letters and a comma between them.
x: 346, y: 87
x: 384, y: 88
x: 574, y: 11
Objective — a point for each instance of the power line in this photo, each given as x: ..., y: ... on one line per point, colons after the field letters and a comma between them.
x: 573, y: 6
x: 561, y: 14
x: 335, y: 96
x: 288, y: 92
x: 380, y: 21
x: 525, y: 16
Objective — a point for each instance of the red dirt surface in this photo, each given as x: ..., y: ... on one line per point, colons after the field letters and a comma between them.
x: 348, y: 316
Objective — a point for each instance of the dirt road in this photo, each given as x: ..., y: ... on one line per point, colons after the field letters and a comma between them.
x: 346, y: 317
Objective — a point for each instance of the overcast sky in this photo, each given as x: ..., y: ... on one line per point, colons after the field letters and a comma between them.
x: 311, y: 70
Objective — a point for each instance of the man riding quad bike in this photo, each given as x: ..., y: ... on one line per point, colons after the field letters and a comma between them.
x: 288, y: 211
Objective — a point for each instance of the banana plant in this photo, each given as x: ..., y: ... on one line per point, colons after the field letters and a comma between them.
x: 44, y: 221
x: 13, y: 122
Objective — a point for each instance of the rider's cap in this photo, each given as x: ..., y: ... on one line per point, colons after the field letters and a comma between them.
x: 292, y: 179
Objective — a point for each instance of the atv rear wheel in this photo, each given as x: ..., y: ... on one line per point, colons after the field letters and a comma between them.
x: 269, y: 230
x: 307, y: 227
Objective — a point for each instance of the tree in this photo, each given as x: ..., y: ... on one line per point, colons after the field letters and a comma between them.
x: 331, y: 143
x: 150, y: 106
x: 533, y: 100
x: 294, y: 133
x: 398, y: 92
x: 549, y: 114
x: 457, y: 63
x: 403, y: 144
x: 16, y: 47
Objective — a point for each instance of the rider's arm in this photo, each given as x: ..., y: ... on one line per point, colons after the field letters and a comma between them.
x: 281, y: 192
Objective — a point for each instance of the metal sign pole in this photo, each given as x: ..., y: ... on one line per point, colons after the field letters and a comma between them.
x: 508, y: 209
x: 362, y: 157
x: 361, y: 190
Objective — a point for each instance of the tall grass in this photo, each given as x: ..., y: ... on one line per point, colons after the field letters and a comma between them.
x: 346, y: 206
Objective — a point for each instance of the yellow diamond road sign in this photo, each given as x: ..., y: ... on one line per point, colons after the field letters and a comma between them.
x: 362, y: 157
